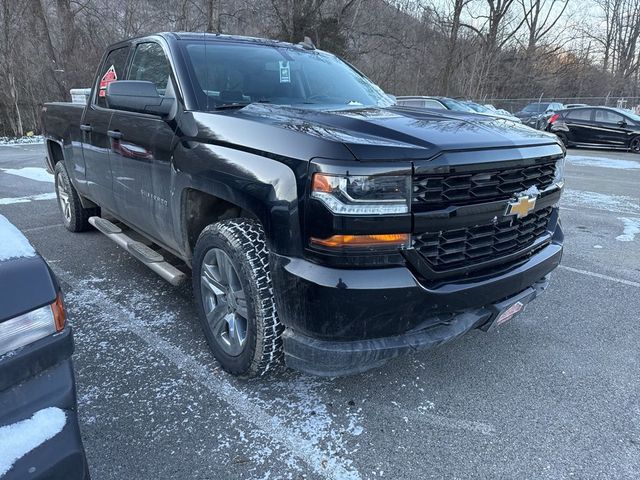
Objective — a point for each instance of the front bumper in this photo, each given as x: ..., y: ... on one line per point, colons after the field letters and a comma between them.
x: 330, y: 358
x: 342, y: 321
x: 62, y: 457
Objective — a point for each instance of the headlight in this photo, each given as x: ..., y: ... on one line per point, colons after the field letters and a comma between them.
x: 362, y: 195
x: 32, y: 326
x: 559, y: 176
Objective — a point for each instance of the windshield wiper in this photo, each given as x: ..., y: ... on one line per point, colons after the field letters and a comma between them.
x: 230, y: 106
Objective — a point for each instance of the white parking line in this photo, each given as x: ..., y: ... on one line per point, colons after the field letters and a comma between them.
x: 38, y: 174
x: 28, y: 198
x: 600, y: 275
x: 325, y: 463
x: 44, y: 227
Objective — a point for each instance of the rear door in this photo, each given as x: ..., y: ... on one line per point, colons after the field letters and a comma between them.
x: 610, y: 128
x: 95, y: 125
x: 579, y: 123
x: 141, y: 146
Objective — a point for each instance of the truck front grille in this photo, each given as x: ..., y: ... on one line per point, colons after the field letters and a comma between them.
x: 437, y: 191
x: 462, y: 247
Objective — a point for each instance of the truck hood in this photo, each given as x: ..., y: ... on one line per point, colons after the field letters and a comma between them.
x: 400, y: 132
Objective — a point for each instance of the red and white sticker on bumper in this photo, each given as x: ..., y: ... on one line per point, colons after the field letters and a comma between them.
x: 106, y: 79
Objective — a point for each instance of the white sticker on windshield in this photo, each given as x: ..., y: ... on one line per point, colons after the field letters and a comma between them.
x: 285, y: 72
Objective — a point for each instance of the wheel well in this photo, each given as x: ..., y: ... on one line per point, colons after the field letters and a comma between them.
x: 55, y: 150
x: 202, y: 209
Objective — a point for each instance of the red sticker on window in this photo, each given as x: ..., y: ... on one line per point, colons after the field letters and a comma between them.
x: 106, y: 79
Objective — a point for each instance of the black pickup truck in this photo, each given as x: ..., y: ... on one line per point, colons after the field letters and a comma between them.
x: 322, y: 223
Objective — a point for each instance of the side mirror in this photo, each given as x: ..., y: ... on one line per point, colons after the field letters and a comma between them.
x: 622, y: 123
x: 137, y: 96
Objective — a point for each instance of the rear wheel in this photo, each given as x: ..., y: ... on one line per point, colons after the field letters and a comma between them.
x: 234, y: 296
x: 74, y: 215
x: 634, y: 145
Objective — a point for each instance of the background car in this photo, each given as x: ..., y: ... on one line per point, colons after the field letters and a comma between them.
x: 39, y: 432
x: 536, y: 115
x: 483, y: 110
x: 446, y: 103
x: 597, y: 126
x: 575, y: 105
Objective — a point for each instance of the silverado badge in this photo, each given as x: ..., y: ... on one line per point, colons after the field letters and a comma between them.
x: 521, y: 207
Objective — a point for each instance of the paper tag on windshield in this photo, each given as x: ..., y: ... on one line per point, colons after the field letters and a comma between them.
x: 285, y: 72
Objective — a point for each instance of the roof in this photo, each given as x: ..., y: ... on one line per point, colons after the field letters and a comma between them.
x: 219, y: 37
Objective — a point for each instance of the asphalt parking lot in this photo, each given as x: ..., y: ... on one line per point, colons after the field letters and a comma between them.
x: 553, y: 394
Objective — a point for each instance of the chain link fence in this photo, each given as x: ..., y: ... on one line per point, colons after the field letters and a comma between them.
x: 516, y: 104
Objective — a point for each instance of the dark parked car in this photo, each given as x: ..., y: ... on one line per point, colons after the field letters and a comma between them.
x: 536, y: 115
x: 39, y: 433
x: 321, y: 221
x: 445, y: 103
x: 597, y: 126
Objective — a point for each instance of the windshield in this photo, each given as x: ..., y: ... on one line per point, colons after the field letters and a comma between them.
x: 229, y: 74
x: 536, y: 107
x: 628, y: 113
x: 456, y: 105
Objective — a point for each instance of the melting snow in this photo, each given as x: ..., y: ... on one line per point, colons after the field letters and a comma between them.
x: 601, y: 201
x: 603, y: 162
x: 13, y: 244
x: 33, y: 173
x: 631, y: 229
x: 20, y: 438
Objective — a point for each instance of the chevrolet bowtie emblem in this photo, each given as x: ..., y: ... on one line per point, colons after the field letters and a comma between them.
x: 521, y: 207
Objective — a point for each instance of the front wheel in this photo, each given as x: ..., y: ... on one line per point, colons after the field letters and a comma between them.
x: 234, y: 296
x: 634, y: 145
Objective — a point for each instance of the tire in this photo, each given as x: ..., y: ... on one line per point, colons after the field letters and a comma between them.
x: 634, y: 144
x: 74, y: 215
x: 234, y: 296
x: 563, y: 138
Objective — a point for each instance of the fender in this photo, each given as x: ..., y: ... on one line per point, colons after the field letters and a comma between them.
x: 264, y: 187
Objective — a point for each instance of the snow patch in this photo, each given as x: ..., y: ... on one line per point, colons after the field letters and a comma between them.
x: 22, y: 437
x: 601, y: 201
x: 34, y: 139
x: 532, y: 191
x: 33, y: 173
x: 28, y: 198
x: 631, y: 229
x: 13, y: 244
x: 603, y: 162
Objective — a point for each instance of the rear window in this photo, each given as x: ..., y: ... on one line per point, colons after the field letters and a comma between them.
x: 112, y: 69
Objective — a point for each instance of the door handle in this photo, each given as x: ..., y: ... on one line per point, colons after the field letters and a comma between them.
x: 115, y: 134
x: 86, y: 128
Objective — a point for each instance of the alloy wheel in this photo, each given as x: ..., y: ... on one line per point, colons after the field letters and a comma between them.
x: 635, y: 145
x: 224, y: 301
x: 63, y: 198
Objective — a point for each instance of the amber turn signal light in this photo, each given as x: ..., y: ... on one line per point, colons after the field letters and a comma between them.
x: 59, y: 314
x: 363, y: 241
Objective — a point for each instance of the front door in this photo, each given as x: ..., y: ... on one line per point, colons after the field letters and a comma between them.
x: 141, y: 149
x: 95, y: 126
x: 611, y: 128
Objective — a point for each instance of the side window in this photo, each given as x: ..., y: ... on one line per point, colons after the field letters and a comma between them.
x: 112, y: 69
x: 607, y: 116
x: 579, y: 115
x: 150, y: 63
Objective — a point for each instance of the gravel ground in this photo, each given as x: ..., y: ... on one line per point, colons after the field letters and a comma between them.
x: 552, y: 394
